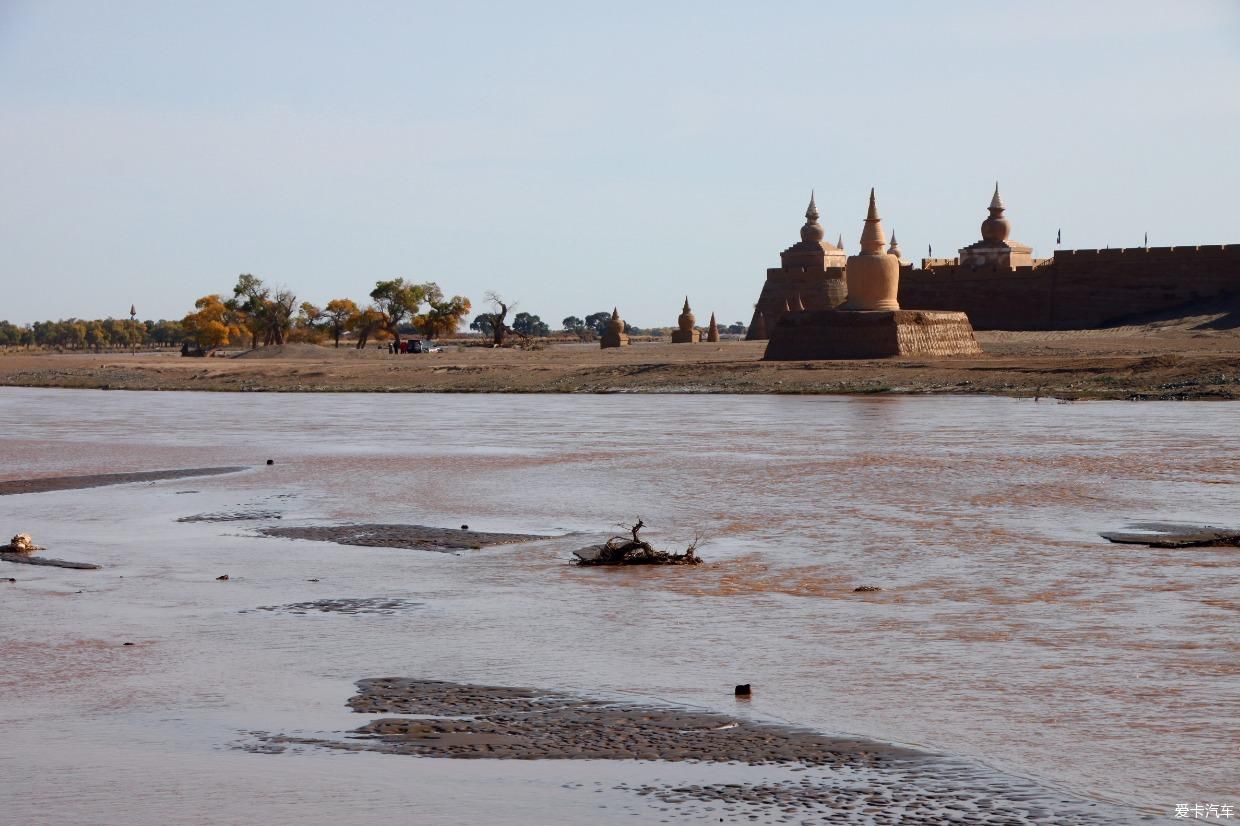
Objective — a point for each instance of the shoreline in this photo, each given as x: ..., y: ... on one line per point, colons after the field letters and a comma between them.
x: 1084, y: 365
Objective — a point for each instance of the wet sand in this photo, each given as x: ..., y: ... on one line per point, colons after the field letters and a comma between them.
x: 97, y: 480
x: 832, y: 779
x: 1128, y: 363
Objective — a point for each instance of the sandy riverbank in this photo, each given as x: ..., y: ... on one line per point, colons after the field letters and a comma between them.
x: 1124, y: 363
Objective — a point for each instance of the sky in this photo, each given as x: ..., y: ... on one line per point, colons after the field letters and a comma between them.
x: 575, y: 156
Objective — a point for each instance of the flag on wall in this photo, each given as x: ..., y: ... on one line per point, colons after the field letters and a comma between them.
x: 1059, y: 236
x: 929, y: 250
x: 1147, y: 239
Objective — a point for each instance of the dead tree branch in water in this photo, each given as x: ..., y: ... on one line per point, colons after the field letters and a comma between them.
x: 620, y: 550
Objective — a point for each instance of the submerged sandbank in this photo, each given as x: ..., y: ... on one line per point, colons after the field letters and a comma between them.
x: 829, y: 779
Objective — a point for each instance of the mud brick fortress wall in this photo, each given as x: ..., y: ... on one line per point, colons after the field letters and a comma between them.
x: 1077, y: 288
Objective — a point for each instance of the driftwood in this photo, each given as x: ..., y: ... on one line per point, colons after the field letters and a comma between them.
x: 43, y: 560
x: 621, y: 550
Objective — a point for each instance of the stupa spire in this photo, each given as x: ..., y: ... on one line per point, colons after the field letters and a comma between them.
x: 686, y: 309
x: 872, y: 238
x: 894, y: 249
x: 995, y: 228
x: 812, y: 232
x: 840, y: 241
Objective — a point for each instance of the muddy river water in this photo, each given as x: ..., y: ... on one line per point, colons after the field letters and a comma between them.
x: 1007, y: 632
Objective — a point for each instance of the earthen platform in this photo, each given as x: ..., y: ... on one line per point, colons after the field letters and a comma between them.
x: 869, y: 334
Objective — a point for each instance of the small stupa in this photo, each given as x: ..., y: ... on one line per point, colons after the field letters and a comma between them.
x: 995, y: 250
x: 614, y: 335
x: 870, y: 324
x: 712, y: 332
x: 687, y: 332
x: 894, y: 248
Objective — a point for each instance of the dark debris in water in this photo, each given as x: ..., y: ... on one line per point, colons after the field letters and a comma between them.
x: 367, y: 605
x: 233, y: 516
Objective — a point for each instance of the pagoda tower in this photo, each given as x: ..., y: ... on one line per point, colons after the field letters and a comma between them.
x: 686, y: 333
x: 996, y: 250
x: 614, y: 335
x: 812, y: 269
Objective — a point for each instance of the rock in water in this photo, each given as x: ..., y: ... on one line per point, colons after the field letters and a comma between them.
x: 23, y: 543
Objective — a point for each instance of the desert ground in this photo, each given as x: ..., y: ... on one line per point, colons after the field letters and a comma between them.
x: 1169, y: 361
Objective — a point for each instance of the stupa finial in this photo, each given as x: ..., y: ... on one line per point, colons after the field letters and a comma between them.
x: 996, y: 202
x: 686, y: 309
x: 811, y: 212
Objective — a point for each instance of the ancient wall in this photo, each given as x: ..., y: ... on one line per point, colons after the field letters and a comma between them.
x: 1077, y: 288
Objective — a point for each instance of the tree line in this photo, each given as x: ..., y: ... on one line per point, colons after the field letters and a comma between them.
x: 258, y: 314
x: 92, y: 334
x: 263, y: 315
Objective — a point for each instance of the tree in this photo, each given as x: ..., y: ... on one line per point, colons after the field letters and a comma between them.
x: 572, y: 324
x: 397, y: 301
x: 598, y: 322
x: 278, y: 316
x: 483, y: 324
x: 212, y: 324
x: 308, y: 325
x: 249, y: 304
x: 529, y: 325
x: 339, y: 314
x: 737, y: 328
x: 499, y: 312
x: 96, y: 335
x: 369, y: 322
x: 443, y: 315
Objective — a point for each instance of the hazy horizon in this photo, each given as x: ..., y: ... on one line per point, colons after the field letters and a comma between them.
x: 574, y: 159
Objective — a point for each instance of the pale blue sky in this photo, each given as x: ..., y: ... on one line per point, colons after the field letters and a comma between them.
x: 574, y: 155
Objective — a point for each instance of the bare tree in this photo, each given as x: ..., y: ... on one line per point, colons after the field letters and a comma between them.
x: 499, y: 316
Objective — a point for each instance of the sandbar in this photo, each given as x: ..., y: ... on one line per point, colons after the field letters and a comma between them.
x: 97, y: 480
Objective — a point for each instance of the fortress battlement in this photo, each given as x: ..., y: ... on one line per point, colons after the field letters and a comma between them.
x: 1000, y: 285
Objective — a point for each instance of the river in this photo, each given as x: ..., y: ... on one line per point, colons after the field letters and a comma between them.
x: 1006, y: 632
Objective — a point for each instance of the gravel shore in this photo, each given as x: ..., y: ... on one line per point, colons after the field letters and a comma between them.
x: 1138, y: 363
